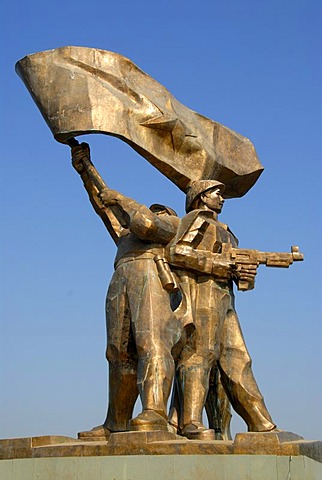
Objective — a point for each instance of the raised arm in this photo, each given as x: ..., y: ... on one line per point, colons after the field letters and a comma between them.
x: 140, y: 219
x: 94, y: 184
x: 117, y: 211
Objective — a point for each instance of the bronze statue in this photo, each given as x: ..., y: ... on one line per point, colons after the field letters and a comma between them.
x: 127, y: 221
x: 142, y: 329
x: 170, y: 304
x: 206, y: 282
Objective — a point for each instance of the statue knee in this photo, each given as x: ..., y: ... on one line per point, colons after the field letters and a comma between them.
x: 123, y: 361
x: 192, y: 359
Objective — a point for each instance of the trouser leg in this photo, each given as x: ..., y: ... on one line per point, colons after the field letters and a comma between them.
x: 218, y: 407
x: 156, y: 331
x: 202, y: 348
x: 176, y: 404
x: 121, y: 355
x: 194, y: 388
x: 155, y: 376
x: 238, y: 379
x: 123, y: 394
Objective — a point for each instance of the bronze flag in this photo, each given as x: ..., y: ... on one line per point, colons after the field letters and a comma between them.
x: 83, y: 90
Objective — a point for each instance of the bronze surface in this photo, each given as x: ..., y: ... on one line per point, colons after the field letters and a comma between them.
x: 86, y: 90
x: 159, y: 443
x: 142, y: 329
x: 170, y: 308
x: 206, y: 259
x: 151, y: 342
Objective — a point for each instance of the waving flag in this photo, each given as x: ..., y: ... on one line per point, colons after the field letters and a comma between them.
x: 83, y: 90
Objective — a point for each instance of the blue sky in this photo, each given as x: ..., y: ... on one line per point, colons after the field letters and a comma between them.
x: 253, y: 66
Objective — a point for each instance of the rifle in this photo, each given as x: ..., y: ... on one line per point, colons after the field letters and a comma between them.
x: 243, y: 256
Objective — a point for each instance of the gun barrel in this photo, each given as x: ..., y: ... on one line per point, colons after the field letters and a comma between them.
x: 297, y: 255
x: 270, y: 259
x: 281, y: 259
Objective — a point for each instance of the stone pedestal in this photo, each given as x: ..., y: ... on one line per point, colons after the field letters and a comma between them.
x: 163, y: 467
x: 162, y: 456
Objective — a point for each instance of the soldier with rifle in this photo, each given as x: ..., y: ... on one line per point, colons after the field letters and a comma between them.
x: 142, y: 339
x: 127, y: 222
x: 205, y: 257
x: 135, y: 229
x: 70, y: 85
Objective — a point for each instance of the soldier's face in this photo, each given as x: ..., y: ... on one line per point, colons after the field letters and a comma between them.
x: 213, y: 199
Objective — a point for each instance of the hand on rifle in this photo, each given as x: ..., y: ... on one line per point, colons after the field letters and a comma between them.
x: 79, y: 153
x: 222, y: 268
x: 245, y: 274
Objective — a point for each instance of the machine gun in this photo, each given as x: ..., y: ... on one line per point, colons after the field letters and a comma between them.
x: 242, y: 257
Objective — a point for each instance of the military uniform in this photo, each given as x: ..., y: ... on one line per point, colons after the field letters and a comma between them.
x: 208, y: 303
x: 141, y: 326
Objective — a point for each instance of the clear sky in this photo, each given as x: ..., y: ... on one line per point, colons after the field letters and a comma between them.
x: 247, y: 64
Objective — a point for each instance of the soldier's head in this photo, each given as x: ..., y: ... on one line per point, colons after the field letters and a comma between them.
x: 206, y: 194
x: 159, y: 209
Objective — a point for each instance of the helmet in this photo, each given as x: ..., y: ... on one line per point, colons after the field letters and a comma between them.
x: 156, y: 207
x: 197, y: 187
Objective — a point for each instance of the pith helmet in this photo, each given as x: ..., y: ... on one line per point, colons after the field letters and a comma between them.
x: 157, y: 207
x: 197, y: 187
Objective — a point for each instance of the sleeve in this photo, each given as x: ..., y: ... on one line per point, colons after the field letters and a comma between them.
x: 145, y: 224
x: 183, y: 252
x: 110, y: 220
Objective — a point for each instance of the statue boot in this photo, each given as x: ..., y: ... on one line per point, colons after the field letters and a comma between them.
x: 193, y: 383
x: 154, y: 384
x: 123, y: 394
x: 149, y: 420
x: 99, y: 433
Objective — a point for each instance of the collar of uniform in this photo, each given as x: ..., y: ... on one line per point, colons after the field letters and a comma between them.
x: 210, y: 214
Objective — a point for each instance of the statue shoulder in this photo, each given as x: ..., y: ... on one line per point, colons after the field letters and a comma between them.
x: 236, y: 241
x: 190, y: 222
x: 225, y: 226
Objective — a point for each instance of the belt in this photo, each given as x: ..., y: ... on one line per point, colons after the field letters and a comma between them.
x: 135, y: 256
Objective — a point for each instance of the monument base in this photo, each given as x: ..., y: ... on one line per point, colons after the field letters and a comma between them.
x: 162, y: 456
x: 163, y: 467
